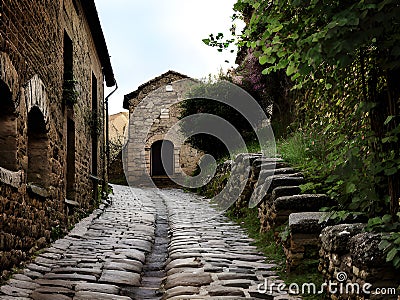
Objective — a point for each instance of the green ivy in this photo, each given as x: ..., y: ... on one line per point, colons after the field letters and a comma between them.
x: 70, y: 94
x: 344, y: 58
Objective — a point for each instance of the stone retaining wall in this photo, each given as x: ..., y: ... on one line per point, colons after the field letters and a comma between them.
x: 349, y: 256
x: 272, y: 184
x: 343, y: 250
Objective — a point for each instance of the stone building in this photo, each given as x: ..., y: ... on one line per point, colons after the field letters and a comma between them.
x: 118, y: 124
x: 152, y: 114
x: 53, y: 61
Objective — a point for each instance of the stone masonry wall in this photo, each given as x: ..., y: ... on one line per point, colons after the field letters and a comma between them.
x: 149, y: 122
x: 350, y: 256
x: 31, y: 66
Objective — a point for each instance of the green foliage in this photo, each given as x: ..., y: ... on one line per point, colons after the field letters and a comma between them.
x: 390, y: 241
x: 94, y: 122
x: 390, y: 245
x: 200, y: 102
x: 284, y: 234
x: 304, y: 38
x: 344, y: 57
x: 56, y: 233
x: 70, y: 93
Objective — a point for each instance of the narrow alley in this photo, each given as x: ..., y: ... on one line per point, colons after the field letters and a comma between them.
x: 147, y: 244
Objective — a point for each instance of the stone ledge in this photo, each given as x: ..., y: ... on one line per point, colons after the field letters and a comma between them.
x: 364, y: 249
x: 40, y: 191
x: 336, y: 238
x: 265, y: 160
x: 306, y: 222
x: 71, y: 202
x: 15, y: 179
x: 302, y: 203
x: 281, y: 191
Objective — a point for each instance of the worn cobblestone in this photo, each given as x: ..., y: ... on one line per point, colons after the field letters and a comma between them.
x: 148, y: 244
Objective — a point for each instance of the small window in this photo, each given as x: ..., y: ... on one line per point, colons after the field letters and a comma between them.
x: 38, y: 149
x: 8, y: 129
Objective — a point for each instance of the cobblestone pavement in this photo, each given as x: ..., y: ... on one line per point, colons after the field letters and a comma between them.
x: 148, y: 244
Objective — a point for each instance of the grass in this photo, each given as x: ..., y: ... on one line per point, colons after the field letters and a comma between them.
x: 294, y: 149
x: 306, y: 272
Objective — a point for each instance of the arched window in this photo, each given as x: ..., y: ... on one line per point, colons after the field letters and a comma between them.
x: 38, y: 148
x: 8, y: 129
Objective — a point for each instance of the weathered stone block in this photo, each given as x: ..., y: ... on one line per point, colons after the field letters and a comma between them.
x: 285, y: 191
x: 306, y: 222
x: 302, y: 203
x: 336, y: 238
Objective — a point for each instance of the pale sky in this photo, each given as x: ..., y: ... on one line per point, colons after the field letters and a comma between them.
x: 146, y: 38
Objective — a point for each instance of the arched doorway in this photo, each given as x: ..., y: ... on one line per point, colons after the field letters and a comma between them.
x: 8, y: 129
x: 162, y: 158
x: 38, y: 147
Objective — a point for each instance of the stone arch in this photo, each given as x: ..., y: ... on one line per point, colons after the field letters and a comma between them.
x: 8, y: 115
x: 36, y: 95
x: 38, y: 148
x: 9, y: 75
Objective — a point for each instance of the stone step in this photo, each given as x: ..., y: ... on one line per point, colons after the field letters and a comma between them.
x: 285, y: 191
x: 302, y: 203
x: 306, y: 222
x: 266, y: 160
x: 284, y: 180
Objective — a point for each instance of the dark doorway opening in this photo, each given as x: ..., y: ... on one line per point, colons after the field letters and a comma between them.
x: 162, y: 158
x: 70, y: 159
x: 8, y: 129
x: 38, y: 148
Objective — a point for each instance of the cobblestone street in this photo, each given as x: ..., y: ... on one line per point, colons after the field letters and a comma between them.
x: 147, y: 244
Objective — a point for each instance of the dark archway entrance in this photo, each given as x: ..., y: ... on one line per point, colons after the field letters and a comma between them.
x: 162, y: 163
x: 38, y: 148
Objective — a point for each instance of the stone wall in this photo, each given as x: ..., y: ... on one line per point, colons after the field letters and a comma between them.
x: 350, y: 256
x: 342, y: 250
x: 32, y: 67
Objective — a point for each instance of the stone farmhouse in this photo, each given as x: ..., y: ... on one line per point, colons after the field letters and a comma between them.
x: 152, y: 103
x: 53, y: 62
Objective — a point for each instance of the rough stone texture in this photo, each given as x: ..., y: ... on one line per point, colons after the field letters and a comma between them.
x: 303, y: 202
x: 365, y: 251
x: 336, y: 238
x: 102, y: 255
x: 31, y: 69
x: 209, y: 257
x: 285, y: 191
x: 347, y: 250
x: 303, y: 241
x: 306, y: 222
x: 153, y: 112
